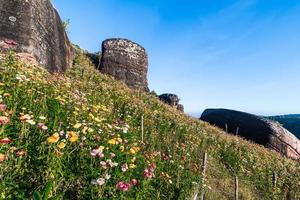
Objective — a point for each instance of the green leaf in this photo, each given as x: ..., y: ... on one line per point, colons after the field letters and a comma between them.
x: 36, y: 196
x: 47, y: 190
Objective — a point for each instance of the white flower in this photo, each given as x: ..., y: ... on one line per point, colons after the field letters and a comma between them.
x: 107, y: 176
x: 124, y: 168
x: 99, y: 181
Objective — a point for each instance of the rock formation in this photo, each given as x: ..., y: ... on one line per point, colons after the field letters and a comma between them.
x: 126, y: 61
x: 34, y: 29
x: 258, y: 129
x: 172, y: 100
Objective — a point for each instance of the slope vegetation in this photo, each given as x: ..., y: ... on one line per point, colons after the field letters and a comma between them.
x: 80, y: 136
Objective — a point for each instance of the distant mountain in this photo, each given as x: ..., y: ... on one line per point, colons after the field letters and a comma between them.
x: 290, y: 122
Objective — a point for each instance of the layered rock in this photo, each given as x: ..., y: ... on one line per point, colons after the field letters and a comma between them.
x: 172, y: 100
x: 126, y: 61
x: 34, y: 29
x: 258, y: 129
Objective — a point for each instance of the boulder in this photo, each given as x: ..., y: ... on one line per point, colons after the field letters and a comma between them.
x: 126, y: 61
x: 172, y: 100
x: 255, y: 128
x: 34, y: 29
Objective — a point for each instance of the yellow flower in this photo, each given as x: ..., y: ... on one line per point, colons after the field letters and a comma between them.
x: 132, y: 166
x: 112, y: 141
x: 119, y: 140
x: 78, y: 125
x: 98, y: 120
x: 53, y: 139
x: 133, y: 159
x: 122, y: 148
x: 73, y: 136
x: 132, y: 151
x: 91, y: 116
x: 61, y: 145
x: 101, y: 148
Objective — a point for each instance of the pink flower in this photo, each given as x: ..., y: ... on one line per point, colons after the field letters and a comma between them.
x: 152, y: 167
x: 4, y: 120
x: 95, y: 152
x: 42, y: 126
x: 2, y: 107
x: 134, y: 181
x: 123, y: 186
x: 5, y: 141
x: 112, y: 155
x: 148, y: 174
x: 100, y: 155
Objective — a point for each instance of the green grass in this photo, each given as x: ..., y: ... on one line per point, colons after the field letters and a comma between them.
x: 95, y: 111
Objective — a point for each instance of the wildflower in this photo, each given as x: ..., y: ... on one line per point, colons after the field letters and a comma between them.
x: 53, y: 139
x: 5, y: 141
x: 134, y: 182
x: 133, y: 159
x: 99, y: 181
x: 74, y: 136
x: 125, y: 129
x: 61, y: 145
x: 124, y: 167
x: 112, y: 141
x: 148, y: 174
x: 134, y: 150
x: 2, y: 107
x: 42, y: 126
x: 107, y: 176
x: 95, y: 152
x: 77, y: 126
x: 21, y: 153
x: 111, y: 163
x: 122, y: 148
x: 103, y: 164
x: 132, y: 166
x: 2, y: 157
x: 123, y: 186
x: 152, y: 167
x: 112, y: 155
x: 24, y: 118
x: 4, y: 120
x: 31, y: 122
x: 42, y: 117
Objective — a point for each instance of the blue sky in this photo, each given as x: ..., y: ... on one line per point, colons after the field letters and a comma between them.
x: 242, y: 55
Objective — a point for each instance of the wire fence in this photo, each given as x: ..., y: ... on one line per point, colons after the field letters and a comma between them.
x: 231, y: 190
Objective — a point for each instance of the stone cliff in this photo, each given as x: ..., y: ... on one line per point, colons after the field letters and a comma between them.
x: 126, y: 61
x: 34, y: 29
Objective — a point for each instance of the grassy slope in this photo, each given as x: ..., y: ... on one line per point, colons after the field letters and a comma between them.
x: 103, y: 107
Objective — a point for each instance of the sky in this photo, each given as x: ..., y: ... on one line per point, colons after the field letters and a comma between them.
x: 242, y: 55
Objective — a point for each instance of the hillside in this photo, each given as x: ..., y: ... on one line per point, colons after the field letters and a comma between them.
x: 290, y: 122
x: 81, y: 133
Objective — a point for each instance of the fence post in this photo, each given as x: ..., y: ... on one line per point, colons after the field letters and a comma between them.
x: 236, y: 195
x: 204, y: 168
x: 142, y: 127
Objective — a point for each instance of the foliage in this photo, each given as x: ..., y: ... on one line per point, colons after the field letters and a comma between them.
x: 81, y: 132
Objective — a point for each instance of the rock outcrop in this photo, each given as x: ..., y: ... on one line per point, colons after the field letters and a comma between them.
x: 125, y: 61
x: 34, y: 29
x: 258, y: 129
x: 172, y: 100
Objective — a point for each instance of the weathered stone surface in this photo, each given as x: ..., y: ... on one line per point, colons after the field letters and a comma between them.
x: 172, y: 100
x: 260, y: 130
x: 34, y: 28
x: 126, y: 61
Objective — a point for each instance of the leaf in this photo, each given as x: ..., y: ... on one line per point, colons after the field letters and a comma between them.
x: 36, y: 196
x: 47, y: 190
